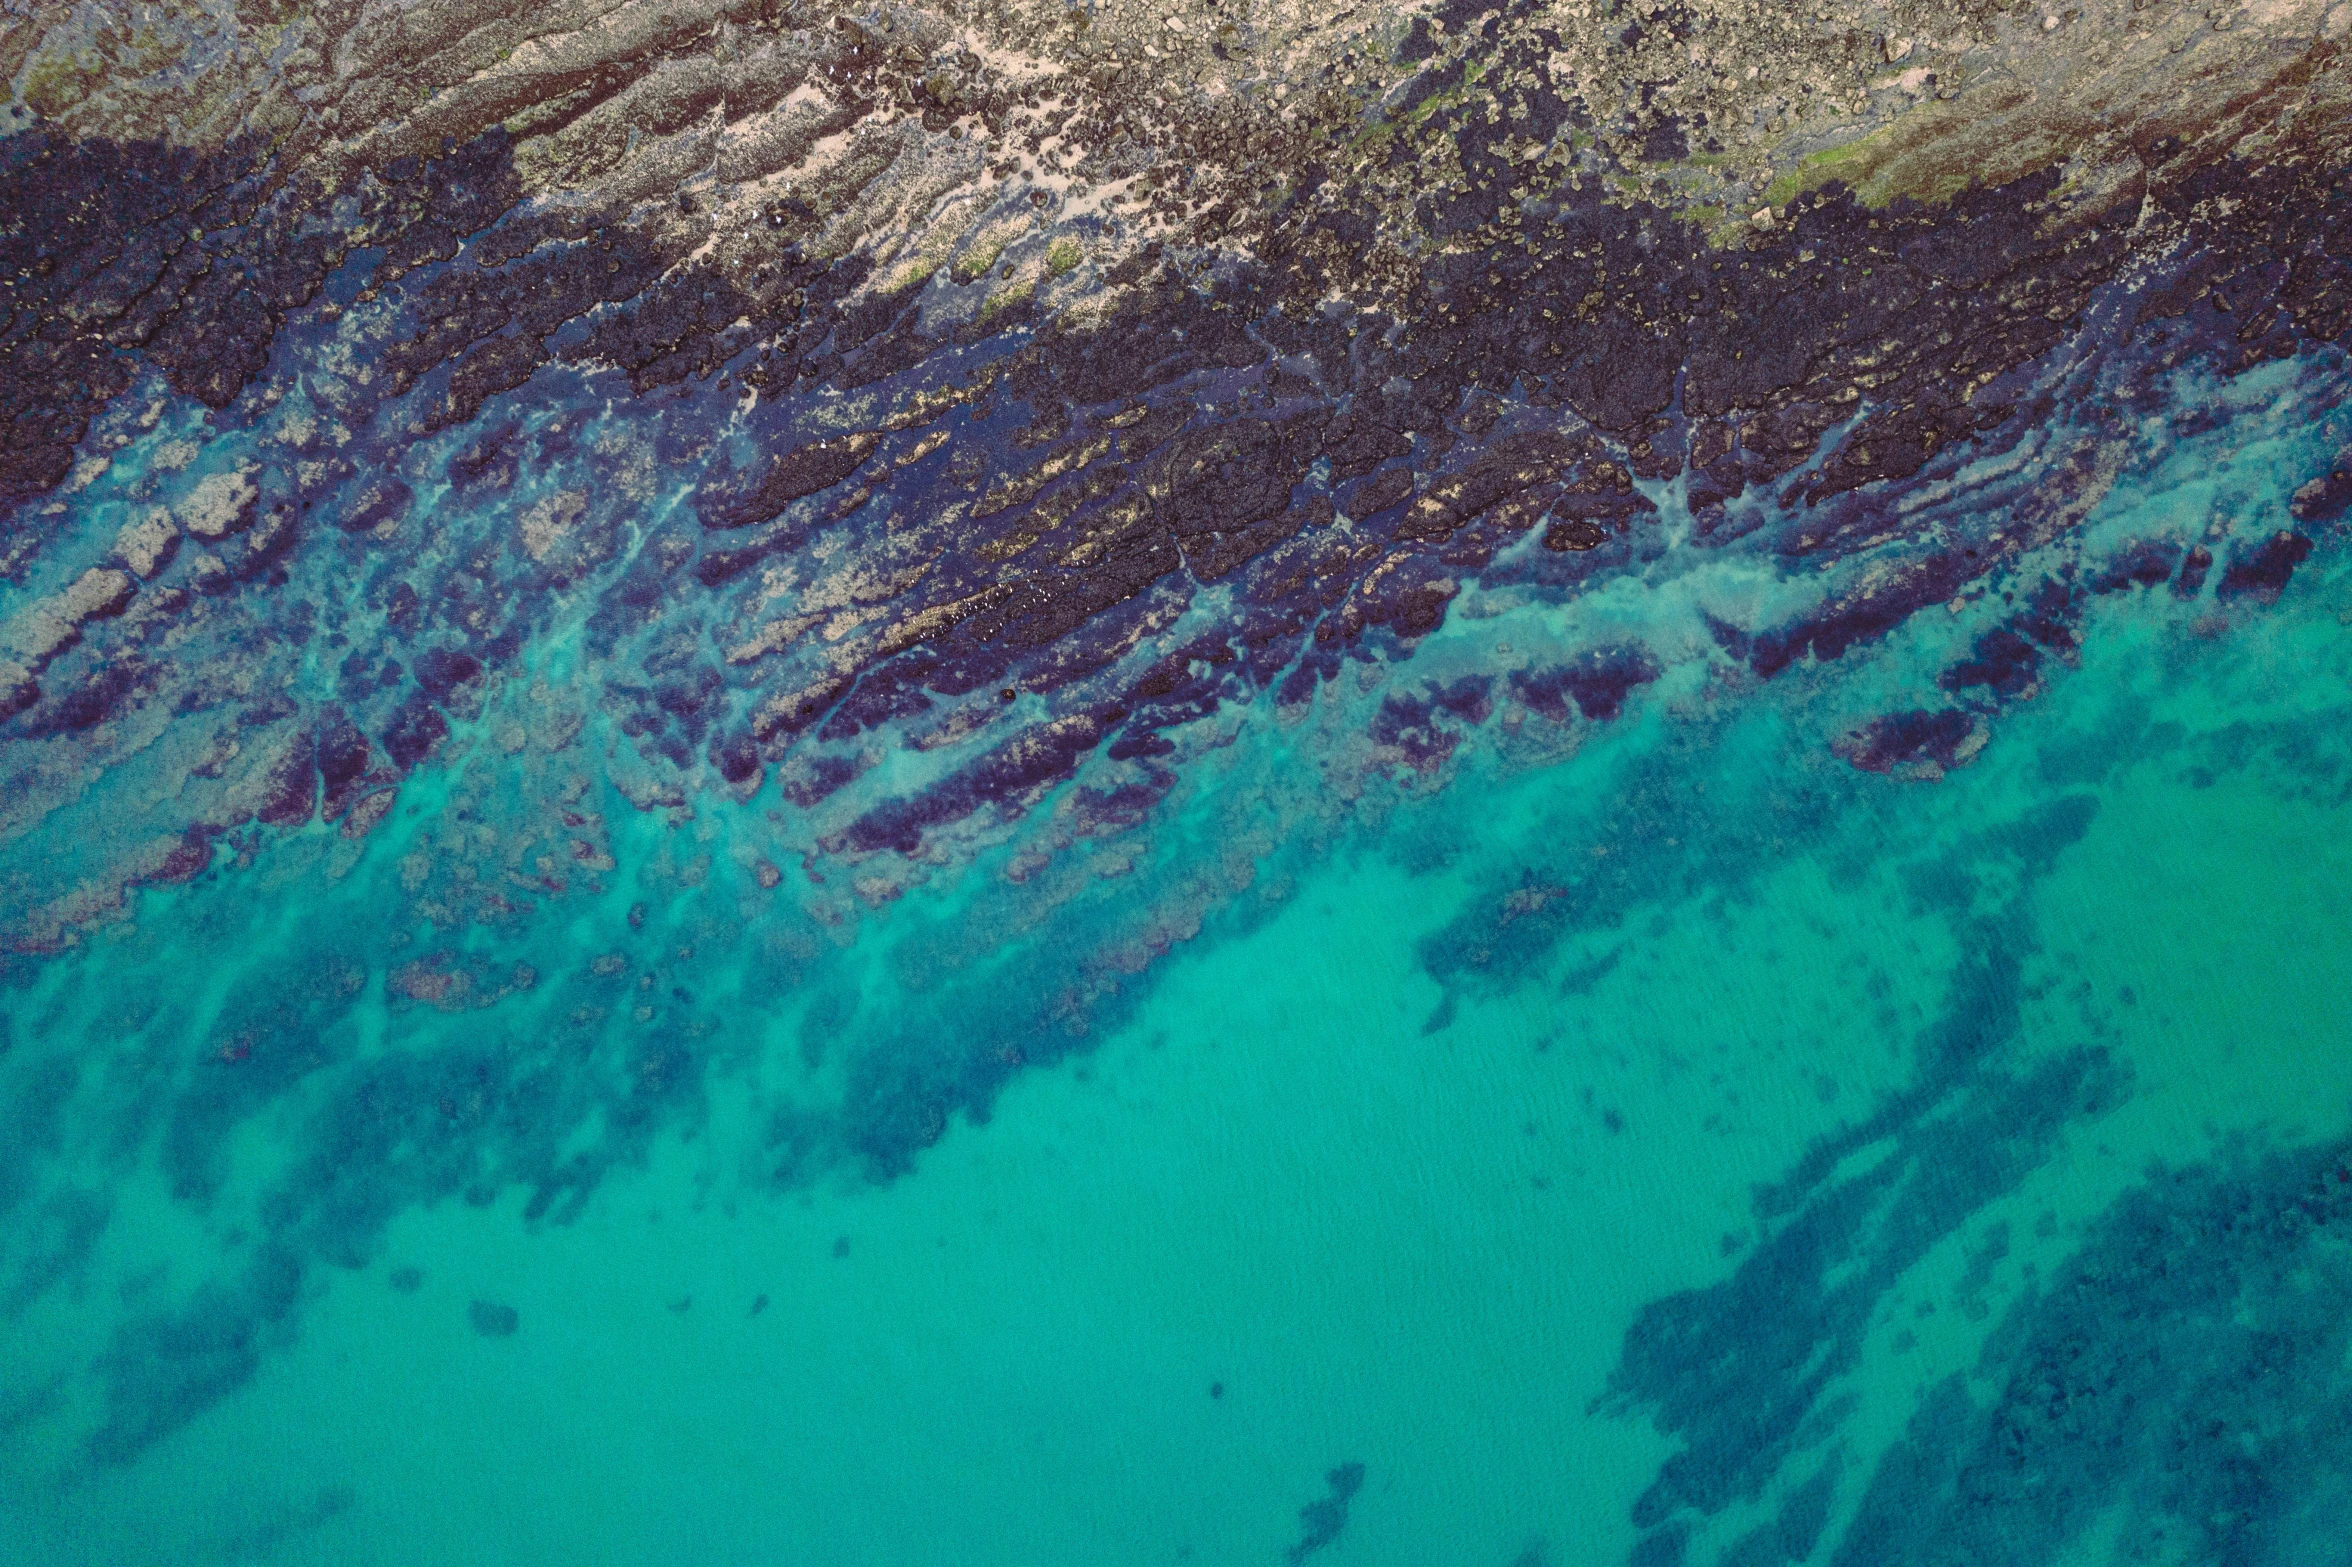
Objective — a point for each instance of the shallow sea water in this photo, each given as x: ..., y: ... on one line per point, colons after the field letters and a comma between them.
x: 1659, y: 1150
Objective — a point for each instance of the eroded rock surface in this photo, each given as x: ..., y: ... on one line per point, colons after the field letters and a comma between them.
x: 841, y: 370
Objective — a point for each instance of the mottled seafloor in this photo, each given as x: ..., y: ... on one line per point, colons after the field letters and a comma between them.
x: 928, y: 786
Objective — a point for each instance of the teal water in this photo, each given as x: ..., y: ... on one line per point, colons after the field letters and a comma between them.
x: 1651, y: 1139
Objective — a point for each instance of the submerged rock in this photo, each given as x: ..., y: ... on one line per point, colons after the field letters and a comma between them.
x: 492, y: 1320
x: 2327, y: 497
x: 1321, y: 1521
x: 1921, y: 745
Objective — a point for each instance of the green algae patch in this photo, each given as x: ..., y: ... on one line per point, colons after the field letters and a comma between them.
x: 1931, y: 153
x: 985, y: 250
x: 1062, y: 257
x: 1409, y: 123
x: 54, y: 86
x: 911, y: 273
x: 1005, y: 300
x: 1852, y: 163
x: 974, y: 263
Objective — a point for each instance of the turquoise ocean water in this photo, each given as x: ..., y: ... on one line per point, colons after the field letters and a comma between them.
x: 1652, y: 1139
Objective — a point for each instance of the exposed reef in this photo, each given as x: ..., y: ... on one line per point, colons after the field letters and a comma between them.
x: 833, y: 500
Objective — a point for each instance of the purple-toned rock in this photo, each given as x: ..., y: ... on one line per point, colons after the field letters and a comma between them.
x: 290, y: 784
x: 2261, y: 573
x: 2327, y: 497
x: 380, y: 501
x: 2140, y: 565
x: 343, y: 754
x: 18, y: 689
x: 1597, y: 681
x: 1417, y: 726
x: 1919, y: 746
x: 185, y: 859
x: 2194, y: 566
x: 2001, y: 662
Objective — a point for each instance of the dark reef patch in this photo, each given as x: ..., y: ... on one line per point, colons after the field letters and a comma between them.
x: 2261, y: 573
x: 161, y: 1372
x: 1598, y: 682
x: 2180, y: 1379
x: 1745, y: 1373
x: 1920, y: 744
x: 492, y: 1320
x: 2326, y: 498
x: 1740, y: 1371
x: 1321, y: 1521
